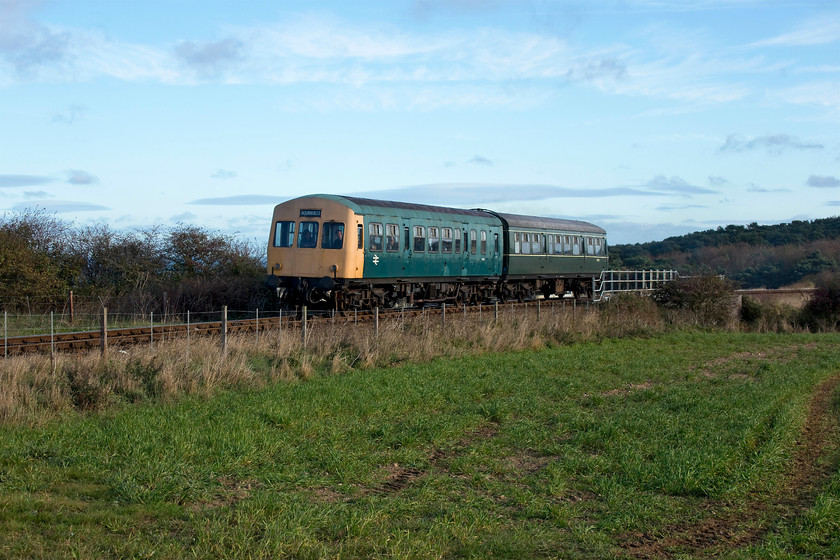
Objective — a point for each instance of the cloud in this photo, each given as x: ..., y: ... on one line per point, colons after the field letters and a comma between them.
x: 774, y: 144
x: 70, y: 115
x: 832, y: 203
x: 662, y: 184
x: 239, y: 200
x: 759, y: 189
x: 37, y: 195
x: 480, y: 160
x: 816, y: 31
x: 23, y: 180
x: 60, y: 206
x: 183, y: 217
x: 79, y: 177
x: 477, y: 194
x: 671, y: 207
x: 223, y: 174
x: 717, y: 181
x: 209, y: 58
x: 605, y: 68
x: 26, y: 44
x: 823, y: 182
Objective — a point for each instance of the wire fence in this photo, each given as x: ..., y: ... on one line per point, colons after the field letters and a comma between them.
x: 51, y: 332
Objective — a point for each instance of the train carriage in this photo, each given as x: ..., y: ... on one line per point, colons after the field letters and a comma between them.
x: 551, y: 256
x: 391, y: 253
x: 343, y: 252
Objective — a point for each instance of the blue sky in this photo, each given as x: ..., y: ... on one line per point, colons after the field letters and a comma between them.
x: 648, y: 117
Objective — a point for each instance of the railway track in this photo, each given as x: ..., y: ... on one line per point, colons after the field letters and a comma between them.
x: 116, y: 337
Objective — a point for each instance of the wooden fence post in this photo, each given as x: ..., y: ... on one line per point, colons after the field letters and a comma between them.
x: 224, y: 329
x: 303, y: 327
x: 103, y: 334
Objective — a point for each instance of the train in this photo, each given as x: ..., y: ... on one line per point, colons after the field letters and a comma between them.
x: 344, y: 253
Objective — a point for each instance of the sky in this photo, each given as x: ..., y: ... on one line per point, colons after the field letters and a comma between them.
x: 650, y: 118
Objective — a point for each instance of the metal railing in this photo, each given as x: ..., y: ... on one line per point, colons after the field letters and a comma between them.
x: 633, y: 281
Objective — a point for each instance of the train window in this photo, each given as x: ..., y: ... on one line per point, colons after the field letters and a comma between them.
x: 483, y: 242
x: 517, y: 241
x: 360, y: 233
x: 446, y: 240
x: 526, y: 244
x: 558, y: 244
x: 392, y: 237
x: 434, y: 240
x: 473, y: 241
x: 308, y: 235
x: 333, y: 237
x: 599, y: 247
x: 375, y: 235
x: 284, y: 234
x: 419, y: 239
x: 536, y: 244
x: 496, y: 243
x: 407, y: 238
x: 575, y: 245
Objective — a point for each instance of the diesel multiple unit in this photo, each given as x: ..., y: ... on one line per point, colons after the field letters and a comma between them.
x: 343, y: 253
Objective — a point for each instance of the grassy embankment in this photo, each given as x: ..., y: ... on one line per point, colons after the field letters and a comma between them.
x: 596, y: 448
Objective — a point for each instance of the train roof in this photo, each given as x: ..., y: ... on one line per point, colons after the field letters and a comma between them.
x: 415, y: 207
x: 374, y: 206
x: 537, y: 222
x: 370, y: 205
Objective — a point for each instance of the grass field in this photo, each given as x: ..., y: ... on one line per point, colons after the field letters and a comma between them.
x: 680, y: 445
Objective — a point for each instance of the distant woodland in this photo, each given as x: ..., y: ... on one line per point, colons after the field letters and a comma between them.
x: 753, y: 256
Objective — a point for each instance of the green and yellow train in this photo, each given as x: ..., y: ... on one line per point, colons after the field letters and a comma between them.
x: 339, y: 252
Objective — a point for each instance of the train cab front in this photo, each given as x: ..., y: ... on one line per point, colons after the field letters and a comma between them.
x: 314, y: 249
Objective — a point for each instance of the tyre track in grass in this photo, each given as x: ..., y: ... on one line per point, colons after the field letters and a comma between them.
x: 727, y: 526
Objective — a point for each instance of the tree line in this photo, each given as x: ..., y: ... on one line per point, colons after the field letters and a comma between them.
x: 185, y: 267
x: 753, y: 256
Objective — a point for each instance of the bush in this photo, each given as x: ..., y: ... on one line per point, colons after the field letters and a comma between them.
x: 751, y: 311
x: 709, y: 300
x: 822, y: 312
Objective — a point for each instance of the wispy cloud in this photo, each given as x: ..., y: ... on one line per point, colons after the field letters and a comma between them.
x: 210, y: 58
x: 238, y: 200
x: 37, y: 195
x: 478, y: 194
x: 69, y: 115
x: 401, y: 69
x: 223, y: 174
x: 823, y: 182
x: 817, y: 31
x: 23, y: 180
x: 79, y: 177
x: 676, y: 185
x: 25, y: 44
x: 480, y: 160
x: 60, y: 206
x: 774, y: 144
